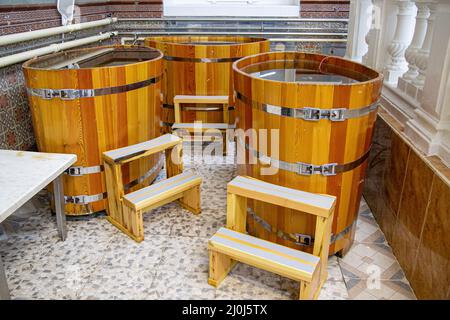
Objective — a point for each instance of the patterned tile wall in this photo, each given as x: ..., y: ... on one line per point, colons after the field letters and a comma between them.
x: 16, y: 130
x: 41, y: 18
x: 324, y: 9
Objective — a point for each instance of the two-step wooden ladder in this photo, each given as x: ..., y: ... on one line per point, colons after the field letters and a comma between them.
x: 198, y: 126
x: 125, y: 211
x: 231, y: 244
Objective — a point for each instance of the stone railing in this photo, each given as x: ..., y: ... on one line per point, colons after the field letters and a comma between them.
x: 409, y: 41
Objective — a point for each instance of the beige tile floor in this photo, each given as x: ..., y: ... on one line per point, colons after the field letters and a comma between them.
x: 99, y: 262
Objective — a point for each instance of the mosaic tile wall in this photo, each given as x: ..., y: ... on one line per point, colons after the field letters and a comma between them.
x: 16, y: 131
x: 324, y: 9
x: 22, y: 19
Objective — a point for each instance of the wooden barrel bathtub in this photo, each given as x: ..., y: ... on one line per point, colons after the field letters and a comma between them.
x: 88, y: 101
x: 200, y: 65
x: 324, y: 109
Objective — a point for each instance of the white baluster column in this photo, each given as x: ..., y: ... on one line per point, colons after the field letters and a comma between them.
x: 420, y: 31
x: 379, y: 33
x: 422, y: 55
x: 402, y: 37
x: 358, y: 27
x: 366, y: 59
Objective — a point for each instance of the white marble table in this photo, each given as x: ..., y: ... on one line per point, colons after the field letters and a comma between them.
x: 22, y: 175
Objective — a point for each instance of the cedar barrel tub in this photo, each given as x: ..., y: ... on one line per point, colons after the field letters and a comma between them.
x: 88, y: 101
x: 200, y: 65
x: 285, y: 91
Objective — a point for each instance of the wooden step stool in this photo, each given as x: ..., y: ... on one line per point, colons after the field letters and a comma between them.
x: 125, y: 211
x: 232, y: 244
x: 182, y: 99
x: 189, y: 128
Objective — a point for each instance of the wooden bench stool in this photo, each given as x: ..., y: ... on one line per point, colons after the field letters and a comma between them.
x: 190, y: 127
x: 227, y: 247
x: 125, y: 211
x: 231, y: 244
x: 182, y: 99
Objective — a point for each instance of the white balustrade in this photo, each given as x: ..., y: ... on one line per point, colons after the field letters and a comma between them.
x: 402, y: 38
x: 410, y: 42
x: 356, y: 46
x: 423, y: 12
x: 406, y: 82
x: 422, y: 55
x: 372, y: 38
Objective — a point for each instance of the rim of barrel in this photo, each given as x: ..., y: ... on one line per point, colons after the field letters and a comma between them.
x: 28, y: 64
x: 239, y: 40
x: 377, y: 78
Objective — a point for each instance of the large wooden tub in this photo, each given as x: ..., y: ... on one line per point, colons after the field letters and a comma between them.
x: 87, y: 101
x: 200, y: 65
x: 274, y: 91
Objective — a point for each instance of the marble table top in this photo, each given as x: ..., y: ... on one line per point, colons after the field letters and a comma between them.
x: 23, y: 174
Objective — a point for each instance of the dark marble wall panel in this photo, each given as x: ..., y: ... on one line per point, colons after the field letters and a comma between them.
x: 387, y: 219
x: 396, y: 168
x: 411, y: 203
x: 431, y: 275
x: 411, y: 214
x: 380, y: 152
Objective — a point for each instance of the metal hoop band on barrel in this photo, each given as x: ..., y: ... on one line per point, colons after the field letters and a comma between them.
x: 307, y: 169
x: 201, y: 60
x: 85, y: 199
x: 299, y: 239
x: 310, y: 113
x: 71, y: 94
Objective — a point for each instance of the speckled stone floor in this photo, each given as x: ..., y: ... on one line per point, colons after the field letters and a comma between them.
x: 99, y: 262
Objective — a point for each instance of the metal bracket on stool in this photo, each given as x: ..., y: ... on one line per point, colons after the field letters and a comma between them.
x: 297, y: 238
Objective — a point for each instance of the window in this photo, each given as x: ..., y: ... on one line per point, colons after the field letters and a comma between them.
x: 232, y: 8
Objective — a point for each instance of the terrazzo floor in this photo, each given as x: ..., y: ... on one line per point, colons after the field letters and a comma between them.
x: 99, y: 262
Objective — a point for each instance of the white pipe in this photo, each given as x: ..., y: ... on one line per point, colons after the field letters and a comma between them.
x: 124, y: 40
x: 30, y: 35
x: 23, y: 56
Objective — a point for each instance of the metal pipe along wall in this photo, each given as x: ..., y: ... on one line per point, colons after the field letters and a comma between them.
x: 23, y: 56
x: 30, y: 35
